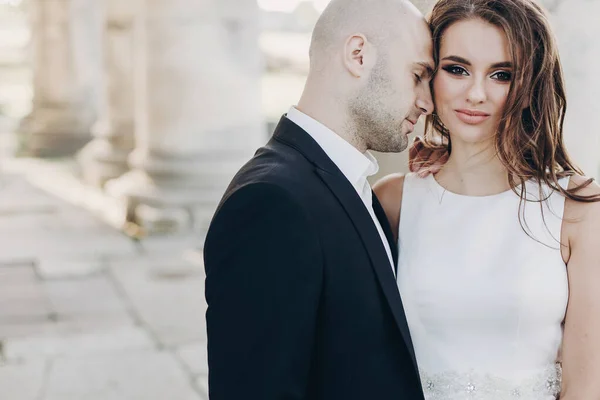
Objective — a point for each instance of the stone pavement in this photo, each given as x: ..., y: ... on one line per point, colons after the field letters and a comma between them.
x: 86, y: 313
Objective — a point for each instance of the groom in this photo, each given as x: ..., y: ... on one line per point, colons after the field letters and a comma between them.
x: 300, y: 261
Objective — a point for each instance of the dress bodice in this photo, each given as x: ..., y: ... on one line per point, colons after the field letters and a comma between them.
x: 485, y: 290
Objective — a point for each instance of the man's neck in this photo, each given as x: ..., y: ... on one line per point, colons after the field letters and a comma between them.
x: 333, y: 118
x: 318, y: 103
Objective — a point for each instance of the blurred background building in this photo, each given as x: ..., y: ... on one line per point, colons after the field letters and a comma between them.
x: 159, y: 102
x: 132, y: 116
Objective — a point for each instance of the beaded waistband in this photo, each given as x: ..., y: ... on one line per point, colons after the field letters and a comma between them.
x: 543, y: 385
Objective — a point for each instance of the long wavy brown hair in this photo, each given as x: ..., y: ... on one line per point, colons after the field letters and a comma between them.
x: 529, y: 140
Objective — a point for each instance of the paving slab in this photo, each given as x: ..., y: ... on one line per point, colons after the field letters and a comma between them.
x: 37, y: 245
x: 77, y: 344
x: 131, y: 375
x: 22, y: 296
x: 173, y: 308
x: 22, y: 381
x: 194, y: 357
x: 87, y: 313
x: 83, y: 296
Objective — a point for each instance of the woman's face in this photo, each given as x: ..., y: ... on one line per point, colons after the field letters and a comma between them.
x: 473, y: 80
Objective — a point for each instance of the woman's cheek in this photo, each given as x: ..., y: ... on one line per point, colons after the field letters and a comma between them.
x: 497, y: 101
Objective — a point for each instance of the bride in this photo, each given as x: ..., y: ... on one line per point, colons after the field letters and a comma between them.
x: 499, y: 267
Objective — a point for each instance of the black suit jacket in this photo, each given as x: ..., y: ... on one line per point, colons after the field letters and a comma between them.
x: 302, y: 300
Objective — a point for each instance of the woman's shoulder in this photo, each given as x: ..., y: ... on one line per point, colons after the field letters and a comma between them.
x: 389, y: 191
x: 585, y: 187
x: 588, y: 185
x: 582, y: 218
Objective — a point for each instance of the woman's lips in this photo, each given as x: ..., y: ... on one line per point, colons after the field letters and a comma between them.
x: 472, y: 117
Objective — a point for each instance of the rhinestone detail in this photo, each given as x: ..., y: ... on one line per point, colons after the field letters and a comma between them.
x: 472, y: 386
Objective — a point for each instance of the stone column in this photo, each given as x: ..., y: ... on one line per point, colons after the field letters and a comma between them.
x: 198, y: 112
x: 105, y: 157
x: 66, y: 68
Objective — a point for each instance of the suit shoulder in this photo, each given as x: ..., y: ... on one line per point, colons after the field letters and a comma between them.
x: 275, y: 161
x: 258, y: 205
x: 283, y: 168
x: 259, y: 193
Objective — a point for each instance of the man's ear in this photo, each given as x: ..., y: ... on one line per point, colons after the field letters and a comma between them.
x: 359, y: 55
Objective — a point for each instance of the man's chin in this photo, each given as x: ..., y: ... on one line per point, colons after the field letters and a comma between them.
x: 402, y: 143
x: 397, y: 146
x: 403, y: 146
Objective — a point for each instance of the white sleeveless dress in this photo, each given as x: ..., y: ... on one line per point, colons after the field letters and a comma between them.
x: 484, y: 301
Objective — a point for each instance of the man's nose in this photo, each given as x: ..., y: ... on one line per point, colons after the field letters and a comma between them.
x: 425, y: 102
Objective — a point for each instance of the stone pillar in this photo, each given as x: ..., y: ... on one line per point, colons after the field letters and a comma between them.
x: 577, y: 31
x: 105, y: 157
x: 198, y: 112
x: 398, y: 162
x: 66, y: 68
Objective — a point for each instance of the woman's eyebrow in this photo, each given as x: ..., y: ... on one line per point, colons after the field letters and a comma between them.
x: 457, y: 59
x: 503, y: 64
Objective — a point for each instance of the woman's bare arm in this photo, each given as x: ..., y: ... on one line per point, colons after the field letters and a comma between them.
x: 581, y: 343
x: 389, y: 192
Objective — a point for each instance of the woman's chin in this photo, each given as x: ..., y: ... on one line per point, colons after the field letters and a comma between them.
x: 470, y: 134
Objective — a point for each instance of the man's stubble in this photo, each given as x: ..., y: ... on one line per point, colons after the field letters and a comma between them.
x: 374, y: 121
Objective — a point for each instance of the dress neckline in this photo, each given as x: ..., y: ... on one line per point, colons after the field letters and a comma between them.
x: 442, y: 191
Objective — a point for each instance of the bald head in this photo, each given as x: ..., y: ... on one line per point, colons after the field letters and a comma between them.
x: 378, y: 20
x: 370, y: 65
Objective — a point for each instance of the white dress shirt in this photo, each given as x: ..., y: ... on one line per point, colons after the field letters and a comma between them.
x: 355, y: 166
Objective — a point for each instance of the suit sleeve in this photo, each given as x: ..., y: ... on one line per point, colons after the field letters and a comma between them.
x: 263, y: 282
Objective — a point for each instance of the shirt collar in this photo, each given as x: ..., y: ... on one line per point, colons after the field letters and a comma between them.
x: 355, y: 166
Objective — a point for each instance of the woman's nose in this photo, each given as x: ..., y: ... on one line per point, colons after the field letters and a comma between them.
x: 476, y: 93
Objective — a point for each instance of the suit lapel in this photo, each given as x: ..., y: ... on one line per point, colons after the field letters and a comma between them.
x: 363, y: 223
x: 292, y: 135
x: 387, y: 229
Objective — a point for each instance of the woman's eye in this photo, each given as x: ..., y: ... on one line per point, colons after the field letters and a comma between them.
x: 502, y: 76
x: 418, y: 79
x: 455, y: 70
